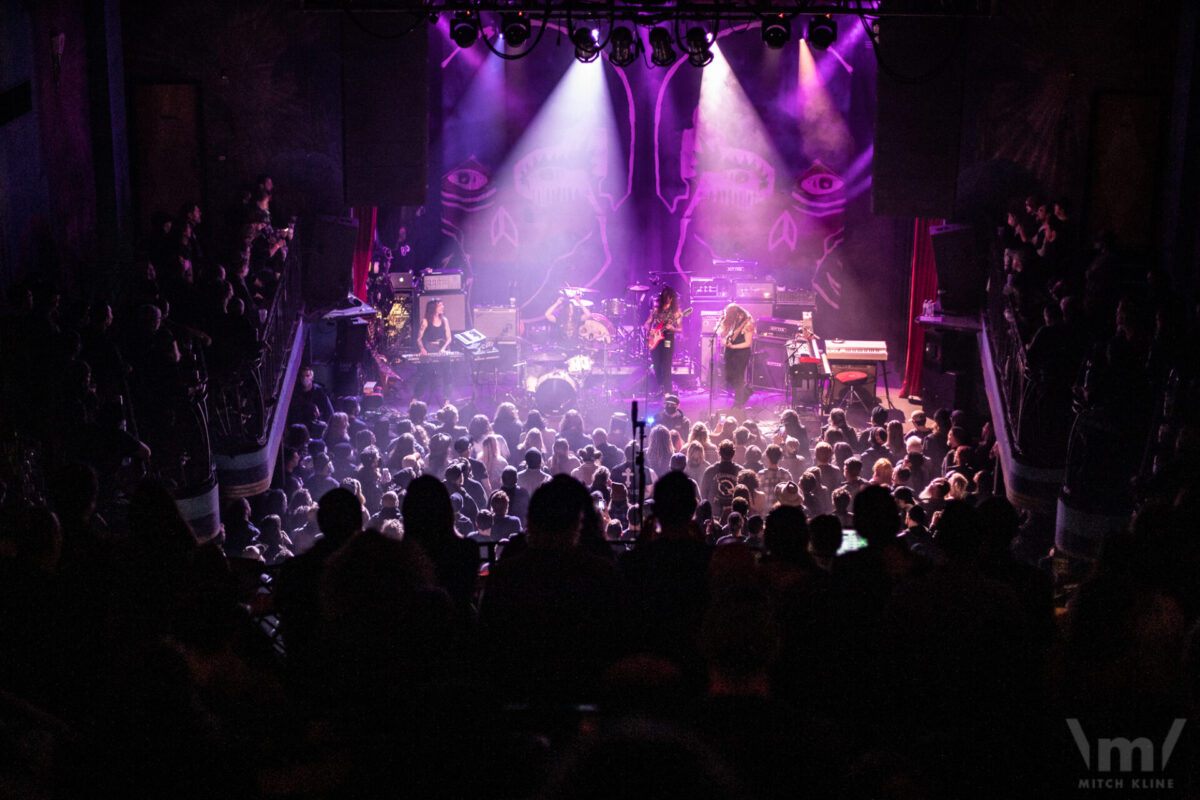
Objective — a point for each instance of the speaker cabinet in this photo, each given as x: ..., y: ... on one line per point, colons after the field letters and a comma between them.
x: 322, y: 342
x: 768, y: 365
x: 952, y: 390
x: 456, y: 311
x: 328, y: 263
x: 711, y: 369
x: 498, y: 323
x: 347, y: 380
x: 351, y: 343
x: 385, y: 112
x: 947, y: 350
x: 918, y: 123
x: 961, y: 268
x: 758, y: 308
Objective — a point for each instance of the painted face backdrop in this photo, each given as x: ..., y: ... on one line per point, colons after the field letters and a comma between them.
x: 560, y: 173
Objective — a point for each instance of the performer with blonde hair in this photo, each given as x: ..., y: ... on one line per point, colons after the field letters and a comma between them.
x: 736, y: 331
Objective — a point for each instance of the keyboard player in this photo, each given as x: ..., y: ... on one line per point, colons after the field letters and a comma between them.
x: 433, y: 337
x: 806, y: 362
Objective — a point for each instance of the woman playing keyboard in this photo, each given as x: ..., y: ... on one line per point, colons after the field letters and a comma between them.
x: 434, y: 337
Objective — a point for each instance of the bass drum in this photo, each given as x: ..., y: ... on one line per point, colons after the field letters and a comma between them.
x: 597, y: 329
x: 556, y: 391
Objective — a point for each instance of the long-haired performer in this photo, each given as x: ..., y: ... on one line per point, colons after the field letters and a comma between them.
x: 736, y: 329
x: 434, y: 337
x: 664, y: 321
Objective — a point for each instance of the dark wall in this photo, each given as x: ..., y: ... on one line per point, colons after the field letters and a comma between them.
x: 48, y: 195
x: 269, y: 84
x: 1075, y: 98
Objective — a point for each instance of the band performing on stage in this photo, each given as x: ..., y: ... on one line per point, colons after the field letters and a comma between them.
x: 581, y: 349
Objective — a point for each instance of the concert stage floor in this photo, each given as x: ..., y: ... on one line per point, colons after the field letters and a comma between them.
x: 598, y: 401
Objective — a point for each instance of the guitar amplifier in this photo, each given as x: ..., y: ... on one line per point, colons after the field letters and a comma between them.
x: 776, y: 328
x: 709, y: 320
x: 450, y: 280
x: 754, y: 290
x: 498, y: 323
x: 710, y: 289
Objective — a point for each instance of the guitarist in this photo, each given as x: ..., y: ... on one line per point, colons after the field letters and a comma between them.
x: 665, y: 319
x: 736, y: 329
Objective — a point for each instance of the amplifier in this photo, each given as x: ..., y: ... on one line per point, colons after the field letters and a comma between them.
x: 768, y: 365
x: 450, y: 280
x: 758, y: 308
x: 797, y: 296
x: 710, y: 289
x: 498, y: 323
x: 456, y: 310
x: 754, y: 290
x: 776, y: 328
x: 708, y: 321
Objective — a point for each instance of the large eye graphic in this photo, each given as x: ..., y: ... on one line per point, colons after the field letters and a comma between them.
x: 821, y: 183
x: 467, y: 179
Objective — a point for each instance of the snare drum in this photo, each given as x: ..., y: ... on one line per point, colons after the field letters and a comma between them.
x: 615, y: 308
x: 555, y: 391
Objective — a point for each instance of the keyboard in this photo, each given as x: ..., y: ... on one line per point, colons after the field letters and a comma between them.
x: 444, y: 357
x: 855, y: 350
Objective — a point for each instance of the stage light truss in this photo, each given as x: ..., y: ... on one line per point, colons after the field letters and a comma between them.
x: 592, y: 23
x: 651, y: 12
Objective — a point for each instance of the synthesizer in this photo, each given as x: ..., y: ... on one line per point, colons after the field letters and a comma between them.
x: 444, y: 357
x: 855, y: 350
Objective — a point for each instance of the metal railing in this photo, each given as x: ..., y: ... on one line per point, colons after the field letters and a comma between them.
x: 242, y: 404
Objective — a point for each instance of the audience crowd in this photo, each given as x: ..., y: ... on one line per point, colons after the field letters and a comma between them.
x: 437, y: 606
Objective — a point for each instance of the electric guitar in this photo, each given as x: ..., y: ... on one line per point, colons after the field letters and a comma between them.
x: 657, y: 334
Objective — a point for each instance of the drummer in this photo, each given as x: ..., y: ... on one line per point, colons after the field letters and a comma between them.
x: 568, y: 313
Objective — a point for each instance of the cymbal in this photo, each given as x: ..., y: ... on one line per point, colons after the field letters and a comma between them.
x: 586, y: 303
x: 575, y: 291
x: 638, y: 288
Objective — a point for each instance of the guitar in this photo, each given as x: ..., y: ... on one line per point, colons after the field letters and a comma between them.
x: 657, y: 334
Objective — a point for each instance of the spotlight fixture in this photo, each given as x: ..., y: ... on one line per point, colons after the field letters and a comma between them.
x: 514, y: 26
x: 624, y: 47
x: 776, y: 30
x: 662, y: 54
x: 587, y: 49
x: 698, y: 47
x: 822, y: 31
x: 463, y: 28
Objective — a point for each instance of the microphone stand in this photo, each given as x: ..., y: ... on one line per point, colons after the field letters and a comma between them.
x: 712, y: 363
x: 639, y: 459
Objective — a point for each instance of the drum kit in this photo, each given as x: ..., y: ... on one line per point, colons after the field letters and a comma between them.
x: 554, y: 371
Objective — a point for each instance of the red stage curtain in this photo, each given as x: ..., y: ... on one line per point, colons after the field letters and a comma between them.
x: 362, y: 248
x: 924, y: 287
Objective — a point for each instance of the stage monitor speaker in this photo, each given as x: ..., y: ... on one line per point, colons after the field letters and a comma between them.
x: 385, y: 112
x: 768, y: 365
x: 498, y: 323
x: 329, y: 263
x: 961, y: 268
x: 918, y: 115
x: 456, y: 309
x: 351, y: 340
